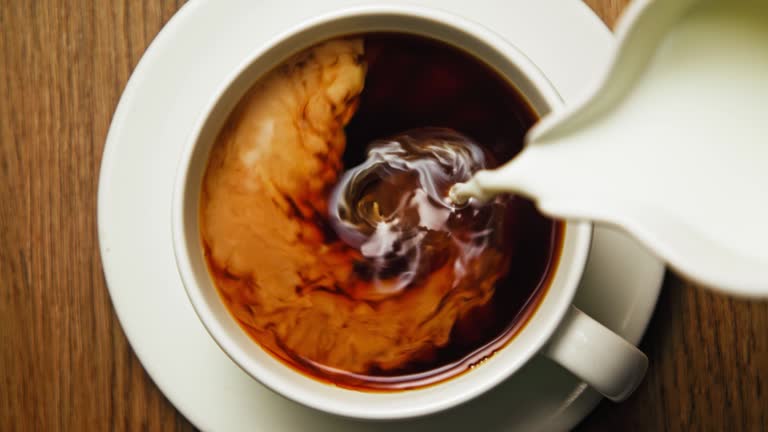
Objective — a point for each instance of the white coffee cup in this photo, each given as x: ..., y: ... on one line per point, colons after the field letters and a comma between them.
x: 557, y: 329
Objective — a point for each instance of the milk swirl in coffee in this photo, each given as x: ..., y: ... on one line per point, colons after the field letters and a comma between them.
x: 326, y: 225
x: 392, y: 208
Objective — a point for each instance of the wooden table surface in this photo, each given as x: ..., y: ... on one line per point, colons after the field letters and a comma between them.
x: 65, y: 363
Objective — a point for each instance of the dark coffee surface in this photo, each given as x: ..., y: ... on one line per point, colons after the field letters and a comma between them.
x: 367, y: 279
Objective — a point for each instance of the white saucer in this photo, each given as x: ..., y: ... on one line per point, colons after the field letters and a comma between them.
x: 190, y: 57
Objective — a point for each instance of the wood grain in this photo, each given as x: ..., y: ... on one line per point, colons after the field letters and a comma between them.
x: 64, y: 361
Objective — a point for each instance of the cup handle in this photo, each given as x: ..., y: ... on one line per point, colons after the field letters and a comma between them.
x: 597, y: 355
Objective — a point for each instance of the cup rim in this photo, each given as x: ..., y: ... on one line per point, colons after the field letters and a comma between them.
x: 181, y: 248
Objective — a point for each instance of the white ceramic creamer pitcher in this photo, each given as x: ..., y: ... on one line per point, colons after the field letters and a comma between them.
x: 671, y: 146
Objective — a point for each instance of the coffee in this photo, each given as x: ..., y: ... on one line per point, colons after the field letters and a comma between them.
x: 368, y: 280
